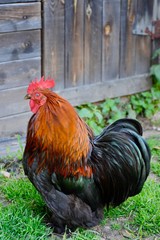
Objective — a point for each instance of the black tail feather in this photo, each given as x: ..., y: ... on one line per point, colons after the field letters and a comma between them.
x: 121, y: 159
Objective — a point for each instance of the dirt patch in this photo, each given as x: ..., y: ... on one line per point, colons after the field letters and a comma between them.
x: 114, y: 229
x: 11, y: 166
x: 154, y: 177
x: 3, y: 200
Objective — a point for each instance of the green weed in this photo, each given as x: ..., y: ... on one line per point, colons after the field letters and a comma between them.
x: 18, y: 154
x: 92, y: 115
x: 144, y: 104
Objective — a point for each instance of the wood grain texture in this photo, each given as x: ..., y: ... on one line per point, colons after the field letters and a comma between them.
x: 20, y: 45
x: 108, y: 89
x: 19, y: 73
x: 16, y: 124
x: 18, y: 1
x: 87, y: 46
x: 143, y: 43
x: 53, y: 41
x: 143, y: 18
x: 128, y: 40
x: 111, y: 38
x: 14, y: 101
x: 74, y: 42
x: 20, y: 16
x: 156, y: 16
x: 93, y: 42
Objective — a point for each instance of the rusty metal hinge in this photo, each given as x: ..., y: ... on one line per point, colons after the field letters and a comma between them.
x: 156, y: 28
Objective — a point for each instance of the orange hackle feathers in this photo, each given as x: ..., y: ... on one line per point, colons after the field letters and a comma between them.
x: 62, y: 137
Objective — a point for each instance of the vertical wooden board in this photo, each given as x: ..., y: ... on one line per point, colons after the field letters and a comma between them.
x: 156, y: 16
x: 143, y: 43
x: 53, y: 41
x: 74, y: 35
x: 127, y: 39
x: 111, y: 32
x: 93, y: 41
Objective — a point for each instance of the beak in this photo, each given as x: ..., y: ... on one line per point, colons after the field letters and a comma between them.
x: 27, y: 97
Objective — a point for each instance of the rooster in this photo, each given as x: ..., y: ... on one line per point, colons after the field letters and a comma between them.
x: 77, y: 173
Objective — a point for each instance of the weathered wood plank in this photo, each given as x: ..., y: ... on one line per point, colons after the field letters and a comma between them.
x: 16, y: 17
x: 74, y: 42
x: 19, y: 1
x: 109, y: 89
x: 143, y: 43
x: 19, y: 73
x: 53, y: 41
x: 93, y: 42
x: 17, y: 124
x: 156, y: 16
x: 128, y: 40
x: 144, y: 17
x: 10, y: 143
x: 111, y: 36
x: 15, y: 103
x: 20, y: 45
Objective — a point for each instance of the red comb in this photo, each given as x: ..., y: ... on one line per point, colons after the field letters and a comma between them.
x: 42, y: 84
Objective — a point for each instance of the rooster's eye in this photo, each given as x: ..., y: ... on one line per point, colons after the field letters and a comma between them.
x: 37, y: 94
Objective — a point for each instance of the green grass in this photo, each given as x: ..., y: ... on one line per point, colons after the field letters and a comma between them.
x: 141, y: 211
x: 22, y: 216
x: 19, y: 222
x: 154, y: 144
x: 156, y: 168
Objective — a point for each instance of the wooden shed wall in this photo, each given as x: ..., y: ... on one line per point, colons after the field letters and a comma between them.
x: 87, y: 46
x: 20, y: 60
x: 92, y: 41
